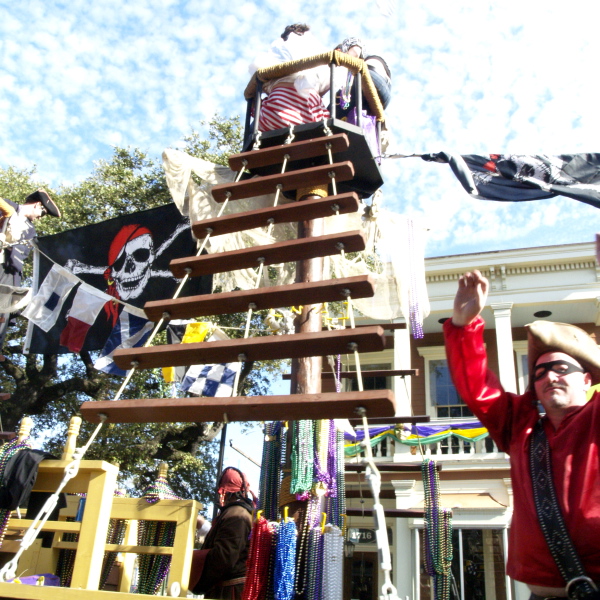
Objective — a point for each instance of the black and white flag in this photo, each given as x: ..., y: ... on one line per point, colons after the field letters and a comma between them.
x: 522, y: 177
x: 127, y: 258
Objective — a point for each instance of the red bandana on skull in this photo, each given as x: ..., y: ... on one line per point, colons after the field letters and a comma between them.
x: 116, y: 255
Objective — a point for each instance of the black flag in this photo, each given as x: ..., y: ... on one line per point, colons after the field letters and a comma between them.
x: 126, y: 257
x: 519, y: 177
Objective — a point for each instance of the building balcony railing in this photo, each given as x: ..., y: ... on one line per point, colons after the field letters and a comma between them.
x: 443, y: 440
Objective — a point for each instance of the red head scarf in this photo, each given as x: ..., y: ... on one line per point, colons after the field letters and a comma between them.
x: 233, y: 480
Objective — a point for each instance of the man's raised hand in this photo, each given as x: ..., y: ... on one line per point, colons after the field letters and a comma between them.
x: 470, y: 298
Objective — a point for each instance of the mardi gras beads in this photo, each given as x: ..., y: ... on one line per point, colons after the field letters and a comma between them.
x: 333, y: 556
x: 258, y: 561
x: 285, y: 561
x: 7, y: 451
x: 153, y: 569
x: 313, y: 571
x: 270, y: 475
x: 438, y: 532
x: 302, y: 456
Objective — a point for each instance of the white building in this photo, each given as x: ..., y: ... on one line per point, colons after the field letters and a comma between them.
x: 558, y: 283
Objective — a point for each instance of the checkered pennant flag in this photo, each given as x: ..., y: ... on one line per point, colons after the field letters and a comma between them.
x: 211, y: 380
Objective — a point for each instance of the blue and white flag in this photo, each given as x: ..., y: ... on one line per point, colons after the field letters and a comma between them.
x: 46, y: 305
x: 131, y: 331
x: 211, y: 380
x: 214, y: 381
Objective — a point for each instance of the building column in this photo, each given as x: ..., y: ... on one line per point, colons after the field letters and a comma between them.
x: 402, y: 385
x: 597, y: 310
x: 403, y: 562
x: 506, y: 361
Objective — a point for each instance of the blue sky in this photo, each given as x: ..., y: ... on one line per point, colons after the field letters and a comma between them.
x: 77, y: 78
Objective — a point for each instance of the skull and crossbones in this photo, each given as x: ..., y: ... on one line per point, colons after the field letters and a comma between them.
x: 130, y: 258
x: 131, y: 263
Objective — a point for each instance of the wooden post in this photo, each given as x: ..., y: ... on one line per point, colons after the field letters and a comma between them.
x: 25, y: 428
x: 71, y: 441
x: 163, y: 469
x: 306, y: 372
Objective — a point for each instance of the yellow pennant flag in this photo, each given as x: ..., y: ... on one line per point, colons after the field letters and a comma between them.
x: 194, y: 332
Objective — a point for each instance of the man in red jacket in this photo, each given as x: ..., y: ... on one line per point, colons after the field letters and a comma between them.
x: 564, y: 361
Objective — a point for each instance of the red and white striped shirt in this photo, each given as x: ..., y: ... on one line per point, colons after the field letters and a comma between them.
x: 285, y: 106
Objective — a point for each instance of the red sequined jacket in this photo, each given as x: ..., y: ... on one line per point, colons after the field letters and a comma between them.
x: 575, y: 445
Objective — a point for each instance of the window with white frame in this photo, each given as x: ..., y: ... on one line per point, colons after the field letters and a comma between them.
x: 443, y: 399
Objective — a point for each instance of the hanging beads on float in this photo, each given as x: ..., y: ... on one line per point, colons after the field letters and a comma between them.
x: 270, y: 474
x: 302, y: 456
x: 438, y: 532
x: 285, y: 560
x: 7, y: 451
x: 259, y: 557
x: 333, y: 556
x: 153, y: 569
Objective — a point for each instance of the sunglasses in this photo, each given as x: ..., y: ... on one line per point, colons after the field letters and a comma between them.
x: 560, y: 367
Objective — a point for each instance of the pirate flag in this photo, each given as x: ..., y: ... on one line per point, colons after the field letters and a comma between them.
x: 521, y: 177
x: 127, y: 258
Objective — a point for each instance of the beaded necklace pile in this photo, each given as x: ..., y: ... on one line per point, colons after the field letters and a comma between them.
x: 333, y: 557
x: 153, y: 569
x: 115, y: 535
x: 285, y: 561
x: 438, y: 532
x: 257, y: 573
x: 7, y: 451
x: 270, y: 474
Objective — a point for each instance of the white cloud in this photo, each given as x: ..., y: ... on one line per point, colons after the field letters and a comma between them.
x: 468, y: 77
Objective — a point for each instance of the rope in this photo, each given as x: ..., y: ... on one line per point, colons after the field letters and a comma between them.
x: 333, y: 57
x: 9, y: 571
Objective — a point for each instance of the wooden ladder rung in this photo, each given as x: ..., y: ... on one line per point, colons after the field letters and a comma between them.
x: 286, y: 213
x: 371, y: 374
x: 329, y: 405
x: 295, y: 294
x: 291, y: 180
x: 288, y: 251
x: 366, y: 374
x: 321, y: 343
x: 295, y: 151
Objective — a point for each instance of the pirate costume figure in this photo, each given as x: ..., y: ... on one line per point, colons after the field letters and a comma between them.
x: 17, y: 232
